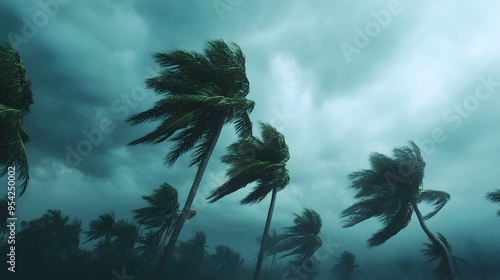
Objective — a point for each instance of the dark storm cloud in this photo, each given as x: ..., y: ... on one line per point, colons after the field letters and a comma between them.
x: 415, y: 75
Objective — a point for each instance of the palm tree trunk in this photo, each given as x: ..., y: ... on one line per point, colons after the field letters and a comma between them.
x: 169, y: 250
x: 435, y: 240
x: 264, y: 236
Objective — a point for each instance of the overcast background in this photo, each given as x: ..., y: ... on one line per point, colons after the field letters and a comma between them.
x: 335, y: 95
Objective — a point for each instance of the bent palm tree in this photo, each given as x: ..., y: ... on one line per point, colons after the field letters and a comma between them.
x: 391, y: 190
x: 15, y: 100
x: 102, y: 227
x: 193, y: 251
x: 226, y: 261
x: 434, y: 252
x: 201, y: 93
x: 494, y: 197
x: 162, y: 212
x: 346, y: 267
x: 302, y: 239
x: 256, y: 160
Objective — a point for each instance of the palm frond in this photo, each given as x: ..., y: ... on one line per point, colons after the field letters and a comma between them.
x: 438, y: 199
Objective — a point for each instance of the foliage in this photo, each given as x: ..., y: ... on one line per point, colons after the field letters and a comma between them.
x: 494, y: 197
x: 346, y: 266
x: 389, y: 190
x: 15, y: 101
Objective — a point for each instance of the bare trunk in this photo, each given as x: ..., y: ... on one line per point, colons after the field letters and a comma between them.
x: 169, y: 250
x: 450, y: 271
x: 264, y: 236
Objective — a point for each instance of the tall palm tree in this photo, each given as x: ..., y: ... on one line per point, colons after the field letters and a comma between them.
x: 391, y: 190
x: 201, y: 93
x: 256, y: 160
x: 346, y: 267
x: 302, y: 239
x: 15, y: 100
x: 434, y: 252
x: 193, y: 251
x: 102, y: 227
x: 494, y: 197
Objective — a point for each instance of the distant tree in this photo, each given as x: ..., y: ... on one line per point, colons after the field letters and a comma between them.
x: 149, y: 246
x: 302, y: 239
x: 225, y: 261
x: 346, y: 267
x: 102, y: 227
x: 15, y: 101
x: 434, y: 252
x: 193, y: 251
x: 262, y: 161
x: 46, y: 244
x: 391, y: 190
x: 202, y: 92
x: 494, y: 197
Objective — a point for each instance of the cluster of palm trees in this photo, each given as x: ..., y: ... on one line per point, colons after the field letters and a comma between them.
x: 201, y: 93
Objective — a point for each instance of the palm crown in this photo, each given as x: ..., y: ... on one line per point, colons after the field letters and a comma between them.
x: 15, y: 100
x: 301, y: 239
x: 255, y: 160
x: 390, y: 190
x: 201, y: 92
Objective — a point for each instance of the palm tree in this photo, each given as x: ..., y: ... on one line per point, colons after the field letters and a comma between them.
x: 201, y: 93
x: 302, y: 239
x: 257, y: 160
x: 346, y: 267
x: 226, y: 261
x: 193, y: 251
x: 15, y: 100
x: 434, y: 252
x: 149, y: 246
x: 162, y: 212
x: 391, y: 190
x: 102, y: 227
x: 494, y: 197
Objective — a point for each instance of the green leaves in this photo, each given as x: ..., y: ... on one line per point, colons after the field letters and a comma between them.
x: 253, y: 160
x: 302, y: 238
x: 201, y: 92
x: 387, y: 190
x: 438, y: 199
x: 494, y: 197
x: 346, y: 266
x: 162, y: 212
x: 15, y: 100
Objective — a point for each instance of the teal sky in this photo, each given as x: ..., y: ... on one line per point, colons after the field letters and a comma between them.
x: 339, y: 79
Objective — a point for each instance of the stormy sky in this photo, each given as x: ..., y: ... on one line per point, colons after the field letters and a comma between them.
x: 339, y: 79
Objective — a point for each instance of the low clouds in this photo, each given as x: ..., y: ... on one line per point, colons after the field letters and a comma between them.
x: 88, y: 63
